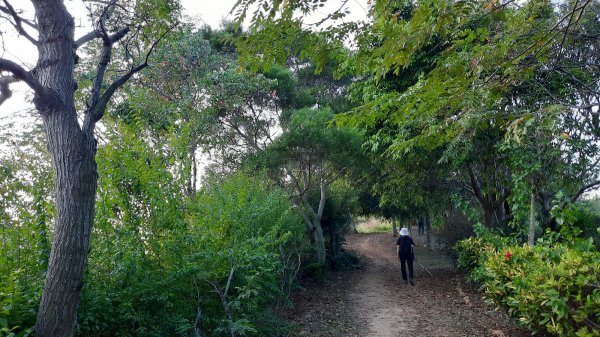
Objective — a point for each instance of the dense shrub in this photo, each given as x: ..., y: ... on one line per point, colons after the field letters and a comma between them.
x: 25, y: 213
x: 550, y: 287
x: 164, y: 263
x: 584, y: 217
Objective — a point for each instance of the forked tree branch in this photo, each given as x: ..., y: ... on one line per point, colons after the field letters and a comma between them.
x: 97, y: 103
x: 103, y: 101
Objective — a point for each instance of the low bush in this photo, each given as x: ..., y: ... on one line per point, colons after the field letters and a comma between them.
x: 551, y: 287
x: 166, y: 264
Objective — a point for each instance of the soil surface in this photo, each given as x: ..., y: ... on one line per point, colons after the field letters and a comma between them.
x: 375, y: 302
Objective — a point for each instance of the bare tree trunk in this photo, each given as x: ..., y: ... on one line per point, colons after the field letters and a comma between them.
x: 76, y: 180
x: 319, y: 242
x: 394, y: 227
x: 488, y: 216
x: 223, y: 297
x: 71, y: 146
x: 315, y: 232
x: 428, y: 233
x: 198, y: 320
x: 546, y: 218
x: 531, y: 235
x: 75, y: 170
x: 318, y: 237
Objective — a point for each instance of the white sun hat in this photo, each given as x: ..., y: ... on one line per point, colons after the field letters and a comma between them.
x: 404, y: 231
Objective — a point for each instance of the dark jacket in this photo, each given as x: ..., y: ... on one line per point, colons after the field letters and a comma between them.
x: 406, y: 244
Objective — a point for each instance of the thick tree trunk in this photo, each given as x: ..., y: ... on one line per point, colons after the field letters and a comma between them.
x: 319, y: 242
x: 546, y: 218
x: 315, y: 232
x: 76, y: 180
x: 491, y: 202
x: 488, y: 216
x: 75, y: 171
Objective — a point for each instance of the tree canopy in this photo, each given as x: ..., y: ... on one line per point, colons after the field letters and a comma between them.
x: 183, y: 178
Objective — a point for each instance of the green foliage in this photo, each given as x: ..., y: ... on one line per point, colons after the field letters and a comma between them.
x: 378, y: 228
x: 582, y: 219
x: 306, y: 160
x: 473, y: 251
x: 161, y: 262
x: 25, y: 214
x: 490, y: 92
x: 309, y: 140
x: 550, y: 287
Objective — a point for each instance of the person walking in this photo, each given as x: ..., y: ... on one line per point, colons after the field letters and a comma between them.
x: 405, y: 249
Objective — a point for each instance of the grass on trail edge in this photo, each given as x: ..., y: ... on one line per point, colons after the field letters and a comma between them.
x: 373, y: 225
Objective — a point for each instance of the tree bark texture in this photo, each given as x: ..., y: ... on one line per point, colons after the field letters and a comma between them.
x: 531, y: 235
x: 492, y: 202
x: 73, y: 153
x: 427, y: 232
x: 315, y: 233
x: 319, y: 242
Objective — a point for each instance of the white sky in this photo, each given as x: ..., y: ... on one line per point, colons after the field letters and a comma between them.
x: 21, y: 51
x: 202, y: 11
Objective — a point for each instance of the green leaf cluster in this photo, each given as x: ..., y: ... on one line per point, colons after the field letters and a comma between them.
x: 161, y: 260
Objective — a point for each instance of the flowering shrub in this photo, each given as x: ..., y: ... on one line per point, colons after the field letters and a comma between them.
x: 552, y: 287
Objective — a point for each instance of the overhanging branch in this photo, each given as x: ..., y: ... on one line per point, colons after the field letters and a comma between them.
x: 20, y: 74
x: 583, y: 189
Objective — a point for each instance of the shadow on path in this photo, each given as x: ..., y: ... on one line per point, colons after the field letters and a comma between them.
x: 441, y: 304
x: 374, y: 302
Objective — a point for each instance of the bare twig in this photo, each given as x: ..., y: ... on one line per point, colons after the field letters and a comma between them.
x: 197, y: 329
x: 223, y: 295
x: 551, y: 30
x: 329, y: 16
x: 18, y: 21
x: 562, y: 42
x: 98, y: 105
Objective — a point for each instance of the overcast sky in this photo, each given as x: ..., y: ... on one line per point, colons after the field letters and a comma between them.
x: 209, y: 12
x: 204, y: 11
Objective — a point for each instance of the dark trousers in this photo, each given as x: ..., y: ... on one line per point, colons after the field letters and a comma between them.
x: 421, y: 229
x: 406, y: 260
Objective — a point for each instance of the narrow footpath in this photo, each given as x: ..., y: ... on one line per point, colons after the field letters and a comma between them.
x: 374, y: 302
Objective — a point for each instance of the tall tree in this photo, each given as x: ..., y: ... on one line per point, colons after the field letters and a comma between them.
x: 130, y: 26
x: 307, y: 159
x: 475, y: 70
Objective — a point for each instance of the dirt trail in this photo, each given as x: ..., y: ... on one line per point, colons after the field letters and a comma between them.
x: 374, y: 302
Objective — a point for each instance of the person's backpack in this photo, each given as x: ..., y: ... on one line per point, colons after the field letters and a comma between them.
x: 405, y: 246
